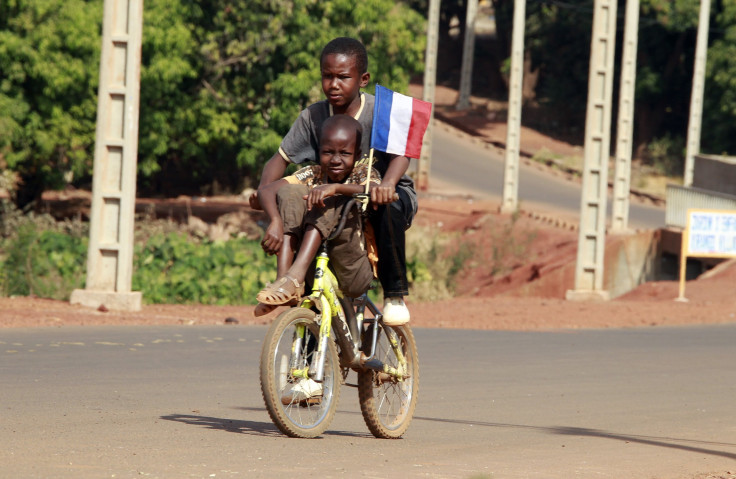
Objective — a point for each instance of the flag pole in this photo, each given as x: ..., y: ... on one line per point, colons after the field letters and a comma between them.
x: 368, y: 180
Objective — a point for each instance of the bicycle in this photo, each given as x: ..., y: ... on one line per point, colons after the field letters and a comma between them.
x: 300, y: 345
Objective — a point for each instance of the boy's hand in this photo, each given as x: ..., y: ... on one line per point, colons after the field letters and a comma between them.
x: 254, y: 202
x: 273, y: 237
x: 317, y: 195
x: 383, y: 194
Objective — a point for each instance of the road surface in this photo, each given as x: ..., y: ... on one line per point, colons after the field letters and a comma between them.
x: 177, y: 402
x: 470, y: 167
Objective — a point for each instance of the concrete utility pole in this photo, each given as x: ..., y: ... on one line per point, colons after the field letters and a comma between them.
x: 430, y: 80
x: 592, y: 237
x: 696, y: 98
x: 466, y: 72
x: 510, y: 201
x: 625, y: 130
x: 110, y: 254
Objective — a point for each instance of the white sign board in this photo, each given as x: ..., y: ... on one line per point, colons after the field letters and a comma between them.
x: 709, y: 234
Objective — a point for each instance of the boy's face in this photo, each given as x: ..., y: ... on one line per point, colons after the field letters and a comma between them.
x: 337, y: 153
x: 341, y: 81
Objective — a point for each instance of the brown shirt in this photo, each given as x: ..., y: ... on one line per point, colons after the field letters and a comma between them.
x: 311, y: 176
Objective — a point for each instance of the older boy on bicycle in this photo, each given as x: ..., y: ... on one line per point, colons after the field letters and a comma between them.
x: 344, y: 63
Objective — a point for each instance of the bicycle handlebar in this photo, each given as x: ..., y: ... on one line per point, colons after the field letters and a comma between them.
x: 344, y: 215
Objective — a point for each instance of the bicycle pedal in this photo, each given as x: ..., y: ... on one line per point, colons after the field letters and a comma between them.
x: 351, y: 385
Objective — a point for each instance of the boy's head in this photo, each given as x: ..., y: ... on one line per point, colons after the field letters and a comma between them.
x: 344, y: 70
x: 350, y: 47
x: 339, y: 146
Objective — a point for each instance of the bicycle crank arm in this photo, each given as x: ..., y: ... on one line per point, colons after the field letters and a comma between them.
x: 384, y: 368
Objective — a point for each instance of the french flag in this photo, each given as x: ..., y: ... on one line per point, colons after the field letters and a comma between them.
x: 399, y: 123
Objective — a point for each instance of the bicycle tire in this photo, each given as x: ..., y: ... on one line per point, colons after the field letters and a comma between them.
x: 388, y: 406
x: 297, y: 419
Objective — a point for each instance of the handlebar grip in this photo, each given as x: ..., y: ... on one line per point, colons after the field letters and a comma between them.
x: 362, y: 196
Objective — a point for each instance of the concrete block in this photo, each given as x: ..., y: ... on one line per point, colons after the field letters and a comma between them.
x: 129, y: 301
x: 587, y: 295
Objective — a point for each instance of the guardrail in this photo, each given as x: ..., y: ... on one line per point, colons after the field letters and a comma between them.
x: 680, y: 198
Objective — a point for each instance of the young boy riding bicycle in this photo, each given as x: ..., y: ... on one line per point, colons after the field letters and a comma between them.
x: 305, y: 207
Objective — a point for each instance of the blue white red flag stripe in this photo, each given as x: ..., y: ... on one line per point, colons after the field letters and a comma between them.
x: 399, y: 123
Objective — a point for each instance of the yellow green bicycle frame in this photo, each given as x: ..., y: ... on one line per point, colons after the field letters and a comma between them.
x: 325, y: 298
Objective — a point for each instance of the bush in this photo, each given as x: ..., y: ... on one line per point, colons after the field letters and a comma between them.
x: 667, y: 155
x: 433, y: 261
x: 175, y: 268
x: 40, y: 256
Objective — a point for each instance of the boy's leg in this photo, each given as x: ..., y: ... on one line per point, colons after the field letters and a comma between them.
x: 285, y: 258
x: 292, y: 208
x: 389, y: 224
x: 307, y: 251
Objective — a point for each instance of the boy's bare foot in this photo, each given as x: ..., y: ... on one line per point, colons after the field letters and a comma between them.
x: 281, y: 291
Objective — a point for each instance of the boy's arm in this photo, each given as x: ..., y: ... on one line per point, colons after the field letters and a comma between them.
x: 274, y: 235
x: 318, y: 194
x: 273, y: 170
x: 384, y: 193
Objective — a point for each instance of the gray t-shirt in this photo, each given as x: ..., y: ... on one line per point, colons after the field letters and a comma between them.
x: 301, y: 143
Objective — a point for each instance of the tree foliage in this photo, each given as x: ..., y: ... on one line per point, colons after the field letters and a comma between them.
x: 720, y: 98
x: 558, y: 38
x: 221, y: 82
x: 48, y: 87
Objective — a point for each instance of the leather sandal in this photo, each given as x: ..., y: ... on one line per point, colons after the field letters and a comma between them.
x: 281, y: 291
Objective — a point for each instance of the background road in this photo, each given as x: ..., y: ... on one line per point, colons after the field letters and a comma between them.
x: 175, y: 402
x: 461, y: 162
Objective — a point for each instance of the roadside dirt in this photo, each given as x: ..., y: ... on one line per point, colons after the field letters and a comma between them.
x: 493, y: 291
x: 485, y: 300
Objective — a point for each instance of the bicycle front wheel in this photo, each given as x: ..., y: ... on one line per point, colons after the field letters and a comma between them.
x: 299, y: 407
x: 388, y: 403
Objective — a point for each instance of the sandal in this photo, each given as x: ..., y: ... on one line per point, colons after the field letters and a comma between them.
x: 263, y: 309
x: 281, y: 291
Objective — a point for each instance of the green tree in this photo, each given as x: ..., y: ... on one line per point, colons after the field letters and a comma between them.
x: 221, y: 82
x: 48, y: 86
x: 257, y: 66
x: 558, y: 45
x: 719, y: 108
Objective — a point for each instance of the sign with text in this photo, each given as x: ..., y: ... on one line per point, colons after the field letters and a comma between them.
x: 711, y: 233
x: 708, y: 234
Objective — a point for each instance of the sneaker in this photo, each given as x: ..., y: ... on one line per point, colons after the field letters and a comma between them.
x: 395, y: 312
x: 305, y: 390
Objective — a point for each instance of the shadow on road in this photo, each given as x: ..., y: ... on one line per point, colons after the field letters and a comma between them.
x: 668, y: 442
x: 229, y: 425
x: 246, y: 427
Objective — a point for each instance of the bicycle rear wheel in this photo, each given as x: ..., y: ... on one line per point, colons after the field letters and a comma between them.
x: 388, y: 404
x: 297, y: 416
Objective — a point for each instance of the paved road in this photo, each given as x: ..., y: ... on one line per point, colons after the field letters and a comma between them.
x: 478, y: 170
x: 176, y: 402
